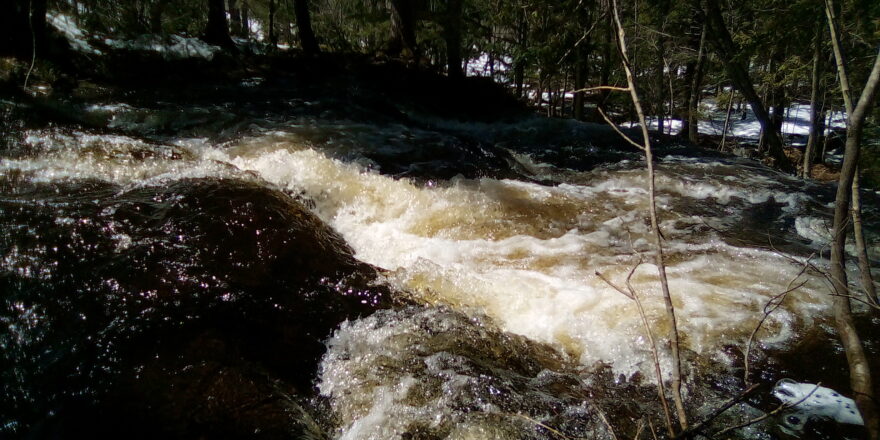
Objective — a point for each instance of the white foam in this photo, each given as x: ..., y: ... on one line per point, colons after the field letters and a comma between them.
x: 522, y: 253
x: 527, y: 254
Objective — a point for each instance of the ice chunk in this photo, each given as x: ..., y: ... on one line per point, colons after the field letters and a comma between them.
x: 813, y: 401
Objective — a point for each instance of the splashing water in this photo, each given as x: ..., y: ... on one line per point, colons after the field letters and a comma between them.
x: 523, y: 254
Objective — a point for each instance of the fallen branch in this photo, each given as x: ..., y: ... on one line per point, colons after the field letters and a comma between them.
x: 590, y: 89
x: 717, y: 412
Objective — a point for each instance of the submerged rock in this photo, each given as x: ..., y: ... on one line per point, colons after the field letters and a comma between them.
x: 188, y: 310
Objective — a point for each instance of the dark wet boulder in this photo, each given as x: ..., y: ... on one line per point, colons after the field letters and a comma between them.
x: 193, y: 309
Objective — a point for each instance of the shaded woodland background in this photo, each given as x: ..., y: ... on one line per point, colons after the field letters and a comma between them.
x: 765, y: 55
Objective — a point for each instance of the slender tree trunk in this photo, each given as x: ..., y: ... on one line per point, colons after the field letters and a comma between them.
x: 861, y: 245
x: 727, y: 51
x: 655, y: 227
x: 684, y: 111
x: 452, y: 35
x: 582, y: 65
x: 726, y: 122
x: 696, y: 88
x: 38, y: 24
x: 217, y: 30
x: 660, y: 84
x: 605, y: 73
x: 671, y: 94
x: 307, y: 40
x: 860, y: 373
x: 245, y: 30
x: 519, y: 66
x: 777, y: 94
x: 234, y: 17
x: 580, y: 81
x: 273, y: 35
x: 817, y: 118
x: 156, y: 12
x: 403, y: 29
x: 660, y: 64
x: 23, y: 24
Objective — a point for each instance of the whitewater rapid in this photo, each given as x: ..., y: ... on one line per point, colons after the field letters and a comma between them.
x: 527, y: 255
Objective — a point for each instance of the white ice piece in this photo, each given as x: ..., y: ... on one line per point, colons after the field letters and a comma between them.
x: 811, y: 401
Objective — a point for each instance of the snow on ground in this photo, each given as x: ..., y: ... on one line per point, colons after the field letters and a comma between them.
x: 483, y: 65
x: 71, y: 30
x: 796, y: 122
x: 174, y: 47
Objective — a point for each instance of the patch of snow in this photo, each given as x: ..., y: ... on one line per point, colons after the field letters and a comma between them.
x: 175, y: 47
x: 796, y: 122
x: 483, y: 65
x: 71, y: 30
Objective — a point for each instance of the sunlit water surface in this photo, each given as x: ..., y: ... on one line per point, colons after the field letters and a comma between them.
x: 522, y: 251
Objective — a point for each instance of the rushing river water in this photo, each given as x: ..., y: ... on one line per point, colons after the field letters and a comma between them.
x: 295, y: 271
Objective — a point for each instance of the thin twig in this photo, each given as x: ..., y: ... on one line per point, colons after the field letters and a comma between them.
x: 547, y: 427
x: 614, y: 126
x: 632, y: 295
x: 583, y: 37
x: 857, y: 299
x: 33, y: 44
x: 590, y: 89
x: 607, y: 423
x: 615, y: 287
x: 769, y: 308
x: 639, y: 429
x: 655, y: 226
x: 718, y: 411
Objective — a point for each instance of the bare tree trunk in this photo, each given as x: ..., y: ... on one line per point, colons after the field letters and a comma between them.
x: 655, y: 227
x: 579, y: 82
x: 23, y: 24
x: 695, y: 43
x: 696, y: 87
x: 860, y: 373
x: 817, y: 119
x: 156, y: 12
x: 234, y: 17
x: 273, y: 36
x: 217, y: 30
x: 862, y: 246
x: 245, y: 30
x: 660, y: 77
x: 726, y: 122
x: 671, y: 95
x: 605, y: 74
x: 776, y: 91
x: 582, y: 65
x: 519, y: 66
x: 727, y: 51
x: 403, y: 29
x: 452, y: 35
x: 661, y: 86
x: 307, y: 40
